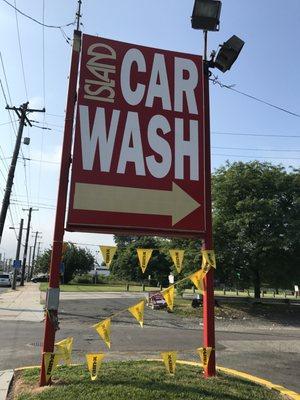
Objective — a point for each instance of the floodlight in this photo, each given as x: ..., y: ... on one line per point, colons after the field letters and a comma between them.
x: 228, y: 53
x: 206, y: 15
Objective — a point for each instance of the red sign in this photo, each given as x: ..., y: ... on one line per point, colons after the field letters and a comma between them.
x: 138, y: 161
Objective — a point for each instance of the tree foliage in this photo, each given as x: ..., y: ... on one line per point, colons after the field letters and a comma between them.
x: 126, y: 264
x: 77, y: 260
x: 256, y: 209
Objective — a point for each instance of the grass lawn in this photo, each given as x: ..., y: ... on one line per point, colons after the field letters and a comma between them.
x: 138, y: 288
x: 273, y: 312
x: 95, y: 288
x: 138, y: 380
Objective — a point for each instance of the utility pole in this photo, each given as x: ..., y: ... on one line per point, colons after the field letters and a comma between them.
x: 13, y: 286
x: 21, y: 112
x: 29, y: 263
x: 39, y: 247
x: 26, y: 244
x: 33, y: 255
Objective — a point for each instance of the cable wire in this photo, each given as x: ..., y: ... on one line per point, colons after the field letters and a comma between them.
x: 35, y: 20
x: 255, y: 157
x: 215, y: 81
x: 20, y: 50
x: 248, y: 149
x: 255, y: 134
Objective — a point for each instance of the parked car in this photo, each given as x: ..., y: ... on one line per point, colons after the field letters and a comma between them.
x: 40, y: 278
x: 5, y: 280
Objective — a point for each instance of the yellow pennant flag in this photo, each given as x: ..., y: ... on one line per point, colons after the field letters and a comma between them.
x: 103, y: 328
x: 144, y: 256
x: 138, y: 312
x: 177, y: 258
x: 208, y: 257
x: 50, y: 363
x: 64, y: 349
x: 93, y: 362
x: 204, y: 353
x: 108, y: 253
x: 205, y: 268
x: 197, y: 279
x: 169, y: 296
x: 169, y: 358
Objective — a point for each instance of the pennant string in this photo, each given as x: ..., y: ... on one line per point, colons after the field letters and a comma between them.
x: 124, y: 310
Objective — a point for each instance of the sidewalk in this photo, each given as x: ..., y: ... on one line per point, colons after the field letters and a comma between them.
x: 5, y: 379
x: 22, y: 304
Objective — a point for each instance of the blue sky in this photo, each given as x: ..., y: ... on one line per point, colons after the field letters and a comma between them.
x: 267, y: 68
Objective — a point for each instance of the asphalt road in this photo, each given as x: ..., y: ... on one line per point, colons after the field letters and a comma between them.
x: 3, y: 289
x: 269, y: 352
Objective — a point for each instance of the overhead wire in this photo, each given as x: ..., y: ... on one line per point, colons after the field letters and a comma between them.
x: 44, y: 100
x: 20, y: 51
x: 257, y: 149
x: 256, y: 157
x: 7, y: 123
x: 26, y: 93
x: 255, y: 134
x: 215, y: 80
x: 14, y: 129
x: 35, y: 20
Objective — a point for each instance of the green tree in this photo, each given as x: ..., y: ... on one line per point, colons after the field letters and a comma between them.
x: 126, y: 266
x: 77, y: 260
x: 42, y: 262
x: 256, y: 209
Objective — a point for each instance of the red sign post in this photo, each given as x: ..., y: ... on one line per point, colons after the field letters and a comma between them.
x: 141, y: 159
x: 138, y: 162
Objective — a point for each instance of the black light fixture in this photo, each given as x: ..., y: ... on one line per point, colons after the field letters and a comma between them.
x: 228, y: 53
x: 206, y: 15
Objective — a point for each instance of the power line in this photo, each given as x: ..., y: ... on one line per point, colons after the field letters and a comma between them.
x: 14, y: 129
x: 215, y: 81
x: 44, y: 98
x: 21, y: 54
x: 43, y: 56
x: 56, y: 115
x: 13, y: 124
x: 39, y: 205
x: 7, y: 123
x: 248, y: 149
x: 255, y: 157
x: 255, y: 134
x: 35, y: 20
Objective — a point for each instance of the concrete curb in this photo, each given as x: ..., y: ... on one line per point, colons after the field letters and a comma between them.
x: 5, y: 380
x: 282, y: 390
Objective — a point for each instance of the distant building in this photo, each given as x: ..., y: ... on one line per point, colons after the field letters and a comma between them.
x: 99, y: 270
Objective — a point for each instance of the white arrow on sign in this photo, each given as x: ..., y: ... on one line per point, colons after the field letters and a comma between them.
x: 176, y: 202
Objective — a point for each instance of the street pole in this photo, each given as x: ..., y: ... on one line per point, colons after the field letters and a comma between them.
x: 39, y: 249
x: 51, y: 319
x: 26, y: 245
x: 33, y: 254
x: 208, y: 293
x: 21, y: 112
x: 13, y: 286
x: 29, y: 264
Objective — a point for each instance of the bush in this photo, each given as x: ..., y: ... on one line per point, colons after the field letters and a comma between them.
x: 82, y: 279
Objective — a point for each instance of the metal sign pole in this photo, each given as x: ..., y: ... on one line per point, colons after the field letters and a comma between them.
x: 208, y: 293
